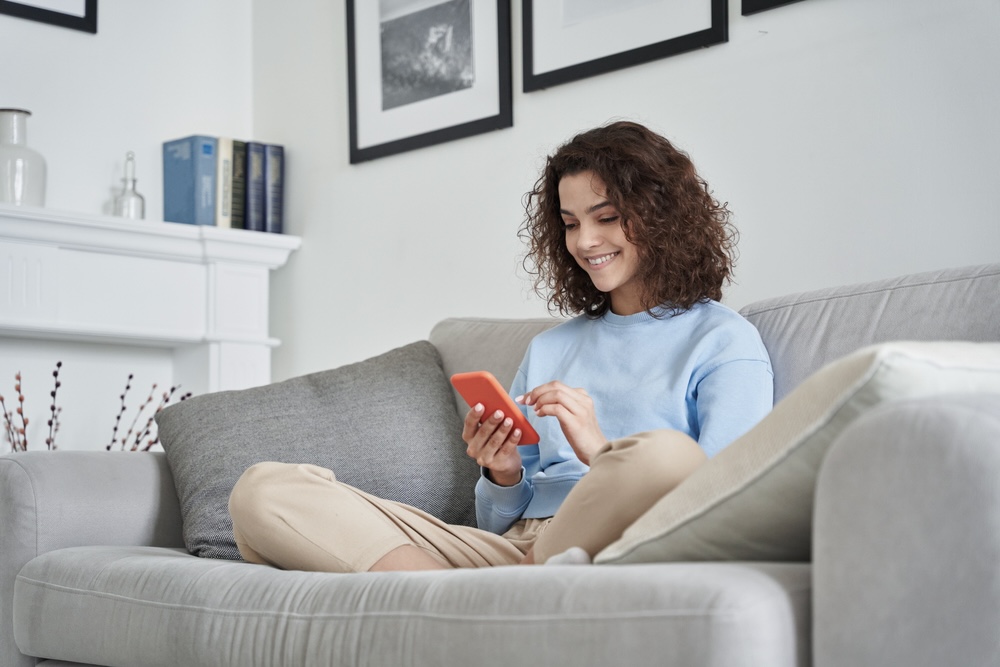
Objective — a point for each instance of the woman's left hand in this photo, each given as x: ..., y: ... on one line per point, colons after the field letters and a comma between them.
x: 574, y: 409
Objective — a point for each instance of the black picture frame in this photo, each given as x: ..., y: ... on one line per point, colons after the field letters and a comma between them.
x: 754, y: 6
x: 717, y: 32
x: 86, y: 23
x: 421, y: 119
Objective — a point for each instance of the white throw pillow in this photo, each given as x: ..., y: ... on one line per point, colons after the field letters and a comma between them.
x: 754, y: 500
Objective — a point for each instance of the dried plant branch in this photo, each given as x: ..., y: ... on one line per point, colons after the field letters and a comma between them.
x: 8, y: 425
x: 54, y: 416
x: 135, y: 439
x: 118, y: 419
x: 135, y: 420
x: 23, y: 431
x: 147, y: 431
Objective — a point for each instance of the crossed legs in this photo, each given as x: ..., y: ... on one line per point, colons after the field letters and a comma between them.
x: 298, y: 516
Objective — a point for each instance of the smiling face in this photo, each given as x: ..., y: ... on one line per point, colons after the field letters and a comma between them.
x: 596, y: 239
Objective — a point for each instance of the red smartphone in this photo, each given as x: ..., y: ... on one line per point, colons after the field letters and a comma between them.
x: 482, y: 387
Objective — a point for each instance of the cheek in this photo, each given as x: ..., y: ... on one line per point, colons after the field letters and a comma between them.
x: 634, y: 259
x: 569, y: 244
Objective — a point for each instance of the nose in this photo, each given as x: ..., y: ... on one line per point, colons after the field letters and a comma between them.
x: 589, y: 236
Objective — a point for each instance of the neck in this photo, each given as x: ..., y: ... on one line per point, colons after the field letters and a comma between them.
x: 626, y: 304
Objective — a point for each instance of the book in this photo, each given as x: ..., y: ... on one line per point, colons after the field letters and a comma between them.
x: 224, y: 182
x: 254, y: 213
x: 239, y: 190
x: 274, y: 186
x: 189, y: 180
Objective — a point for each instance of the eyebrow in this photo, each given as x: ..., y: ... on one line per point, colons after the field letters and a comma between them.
x: 595, y: 207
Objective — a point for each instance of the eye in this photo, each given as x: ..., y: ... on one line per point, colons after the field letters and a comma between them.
x: 570, y: 226
x: 609, y: 219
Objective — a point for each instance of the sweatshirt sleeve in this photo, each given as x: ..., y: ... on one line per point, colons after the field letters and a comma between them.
x: 730, y: 400
x: 499, y: 507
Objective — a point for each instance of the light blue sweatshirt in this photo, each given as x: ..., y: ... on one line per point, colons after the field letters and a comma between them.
x: 704, y: 372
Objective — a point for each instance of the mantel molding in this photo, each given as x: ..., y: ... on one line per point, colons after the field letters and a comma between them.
x: 144, y: 238
x: 201, y: 293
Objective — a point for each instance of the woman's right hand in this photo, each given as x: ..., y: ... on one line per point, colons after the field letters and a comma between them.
x: 492, y: 442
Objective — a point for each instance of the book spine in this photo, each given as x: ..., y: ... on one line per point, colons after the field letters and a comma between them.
x: 274, y: 180
x: 224, y: 183
x: 189, y: 180
x: 239, y: 190
x: 255, y: 186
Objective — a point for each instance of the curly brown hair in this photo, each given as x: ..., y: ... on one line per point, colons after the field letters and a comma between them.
x: 685, y: 240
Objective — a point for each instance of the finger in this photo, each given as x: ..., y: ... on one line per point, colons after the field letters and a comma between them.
x: 529, y: 398
x: 557, y: 410
x: 495, y: 444
x: 575, y: 401
x: 472, y: 421
x: 483, y: 433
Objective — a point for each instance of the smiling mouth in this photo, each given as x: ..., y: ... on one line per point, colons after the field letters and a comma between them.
x: 603, y: 259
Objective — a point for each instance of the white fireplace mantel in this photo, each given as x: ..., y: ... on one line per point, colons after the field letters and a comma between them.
x: 200, y: 292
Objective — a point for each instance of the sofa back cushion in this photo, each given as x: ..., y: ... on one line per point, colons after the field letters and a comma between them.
x: 484, y: 344
x: 386, y: 425
x: 803, y: 332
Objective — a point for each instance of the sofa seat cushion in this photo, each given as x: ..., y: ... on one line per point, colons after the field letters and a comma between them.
x: 146, y: 606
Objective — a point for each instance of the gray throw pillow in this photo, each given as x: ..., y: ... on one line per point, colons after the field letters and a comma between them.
x: 386, y: 425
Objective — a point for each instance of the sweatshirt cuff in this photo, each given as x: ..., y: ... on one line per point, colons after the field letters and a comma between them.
x: 508, y: 500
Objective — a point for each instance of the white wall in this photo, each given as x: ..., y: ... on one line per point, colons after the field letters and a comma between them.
x: 854, y: 140
x: 154, y: 71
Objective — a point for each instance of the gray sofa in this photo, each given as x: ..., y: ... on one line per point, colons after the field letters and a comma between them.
x: 904, y: 566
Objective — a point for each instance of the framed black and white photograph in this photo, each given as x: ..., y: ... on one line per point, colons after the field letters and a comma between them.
x: 754, y: 6
x: 75, y: 14
x: 575, y: 39
x: 423, y: 72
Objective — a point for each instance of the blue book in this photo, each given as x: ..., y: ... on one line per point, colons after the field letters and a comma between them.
x: 274, y: 186
x: 254, y: 210
x: 189, y: 180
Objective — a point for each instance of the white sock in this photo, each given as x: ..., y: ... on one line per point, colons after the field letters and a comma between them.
x: 572, y: 556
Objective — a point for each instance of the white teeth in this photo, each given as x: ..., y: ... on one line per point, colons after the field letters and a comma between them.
x: 602, y: 259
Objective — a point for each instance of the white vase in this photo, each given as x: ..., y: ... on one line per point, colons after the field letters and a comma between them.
x: 22, y: 170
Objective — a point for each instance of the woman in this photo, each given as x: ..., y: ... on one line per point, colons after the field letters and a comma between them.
x: 625, y: 235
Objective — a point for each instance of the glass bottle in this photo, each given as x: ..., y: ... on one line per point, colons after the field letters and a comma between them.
x: 130, y: 204
x: 22, y: 170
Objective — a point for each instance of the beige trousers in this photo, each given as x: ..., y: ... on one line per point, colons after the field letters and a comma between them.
x: 299, y: 517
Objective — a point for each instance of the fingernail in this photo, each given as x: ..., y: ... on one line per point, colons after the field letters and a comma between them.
x: 517, y: 433
x: 478, y: 407
x: 519, y: 399
x: 498, y: 415
x: 508, y: 422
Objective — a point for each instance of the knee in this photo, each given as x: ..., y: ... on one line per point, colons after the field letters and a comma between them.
x: 259, y: 491
x: 663, y: 454
x: 251, y: 494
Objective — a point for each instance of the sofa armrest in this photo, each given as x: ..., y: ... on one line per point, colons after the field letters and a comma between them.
x: 51, y: 500
x: 906, y: 537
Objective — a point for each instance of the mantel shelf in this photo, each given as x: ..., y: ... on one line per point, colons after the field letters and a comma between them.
x: 144, y: 238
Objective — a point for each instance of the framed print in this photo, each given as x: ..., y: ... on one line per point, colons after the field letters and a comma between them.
x: 423, y: 72
x: 754, y: 6
x: 574, y: 39
x: 76, y: 14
